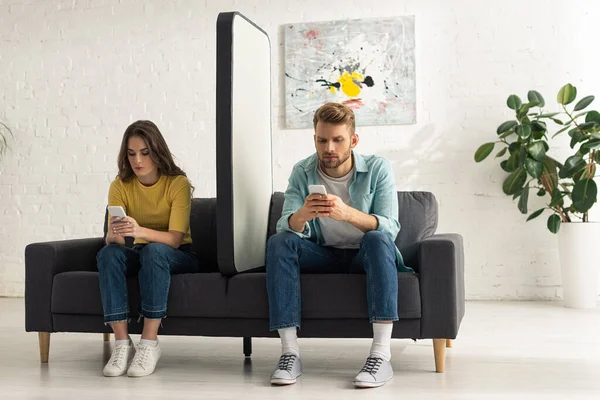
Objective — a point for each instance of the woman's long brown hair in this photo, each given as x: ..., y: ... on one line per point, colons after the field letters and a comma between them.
x: 157, y: 148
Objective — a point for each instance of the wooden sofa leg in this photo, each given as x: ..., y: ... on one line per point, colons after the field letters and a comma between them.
x: 439, y: 351
x: 247, y: 346
x: 449, y: 343
x: 106, y: 337
x: 44, y: 338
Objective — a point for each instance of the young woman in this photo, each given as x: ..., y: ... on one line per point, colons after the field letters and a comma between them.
x: 156, y: 196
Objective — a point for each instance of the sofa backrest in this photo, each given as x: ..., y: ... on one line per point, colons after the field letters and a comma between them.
x: 417, y: 213
x: 203, y: 226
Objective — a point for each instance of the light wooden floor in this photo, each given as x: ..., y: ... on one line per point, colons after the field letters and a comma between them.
x: 505, y: 350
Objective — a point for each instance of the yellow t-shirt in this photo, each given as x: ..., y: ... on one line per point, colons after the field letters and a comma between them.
x: 164, y: 206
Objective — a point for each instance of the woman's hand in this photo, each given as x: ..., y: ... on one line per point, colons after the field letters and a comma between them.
x: 127, y: 227
x: 111, y: 236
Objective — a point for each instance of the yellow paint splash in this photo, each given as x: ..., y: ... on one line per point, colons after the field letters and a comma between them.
x: 350, y: 88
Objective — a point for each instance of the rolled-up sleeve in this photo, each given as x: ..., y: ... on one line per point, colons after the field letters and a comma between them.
x: 385, y: 201
x: 294, y: 200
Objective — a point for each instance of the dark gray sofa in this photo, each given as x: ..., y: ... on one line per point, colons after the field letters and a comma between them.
x: 62, y: 294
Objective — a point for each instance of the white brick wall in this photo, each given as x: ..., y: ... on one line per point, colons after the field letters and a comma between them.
x: 74, y: 74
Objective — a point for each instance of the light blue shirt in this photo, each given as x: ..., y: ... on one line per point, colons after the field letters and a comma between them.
x: 372, y: 191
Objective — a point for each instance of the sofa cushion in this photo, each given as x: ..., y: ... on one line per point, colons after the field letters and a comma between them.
x: 190, y: 295
x: 417, y: 214
x: 244, y: 295
x: 325, y: 296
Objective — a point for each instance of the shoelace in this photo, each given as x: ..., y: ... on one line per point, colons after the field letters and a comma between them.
x: 119, y: 354
x: 372, y: 365
x: 142, y: 354
x: 286, y: 362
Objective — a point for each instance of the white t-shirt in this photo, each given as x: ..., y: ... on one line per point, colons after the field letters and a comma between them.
x: 339, y: 234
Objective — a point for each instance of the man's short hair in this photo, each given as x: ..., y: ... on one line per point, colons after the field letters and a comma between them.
x: 337, y: 114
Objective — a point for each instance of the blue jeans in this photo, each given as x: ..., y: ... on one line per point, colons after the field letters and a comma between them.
x: 288, y: 255
x: 154, y: 263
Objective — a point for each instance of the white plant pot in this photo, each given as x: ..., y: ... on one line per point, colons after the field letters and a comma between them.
x: 578, y: 248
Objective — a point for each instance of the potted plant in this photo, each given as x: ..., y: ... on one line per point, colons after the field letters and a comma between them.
x: 568, y: 188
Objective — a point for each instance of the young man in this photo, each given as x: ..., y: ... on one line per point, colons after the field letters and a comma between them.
x: 351, y: 229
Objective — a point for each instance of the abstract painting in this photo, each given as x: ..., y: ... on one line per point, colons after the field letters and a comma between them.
x: 366, y: 64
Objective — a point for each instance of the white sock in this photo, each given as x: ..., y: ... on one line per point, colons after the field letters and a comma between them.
x: 382, y: 337
x: 289, y: 341
x: 124, y: 341
x: 152, y: 343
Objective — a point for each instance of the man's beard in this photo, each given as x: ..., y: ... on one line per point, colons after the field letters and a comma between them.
x: 332, y: 164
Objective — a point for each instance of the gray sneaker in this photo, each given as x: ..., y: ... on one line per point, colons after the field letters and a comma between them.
x: 288, y: 369
x: 376, y: 372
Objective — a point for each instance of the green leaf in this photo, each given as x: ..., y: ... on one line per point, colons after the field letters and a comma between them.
x: 537, y: 151
x: 535, y: 214
x: 505, y: 167
x: 583, y: 103
x: 561, y: 131
x: 590, y: 145
x: 538, y: 126
x: 506, y: 126
x: 534, y: 96
x: 514, y: 182
x: 581, y: 114
x: 573, y: 165
x: 566, y: 94
x: 548, y: 115
x: 524, y: 109
x: 593, y: 116
x: 514, y: 146
x: 506, y: 134
x: 541, y: 192
x: 576, y: 137
x: 584, y: 195
x: 514, y: 102
x: 523, y: 200
x: 483, y: 151
x: 534, y: 167
x: 554, y: 223
x: 522, y: 157
x: 524, y: 131
x: 502, y: 152
x: 557, y: 198
x: 550, y: 174
x: 512, y: 162
x: 587, y: 126
x: 557, y: 121
x: 597, y: 157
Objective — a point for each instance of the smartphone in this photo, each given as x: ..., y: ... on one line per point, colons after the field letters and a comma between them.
x: 320, y: 189
x: 117, y: 211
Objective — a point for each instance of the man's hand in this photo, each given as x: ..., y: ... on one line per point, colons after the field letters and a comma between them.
x: 315, y: 206
x: 340, y: 211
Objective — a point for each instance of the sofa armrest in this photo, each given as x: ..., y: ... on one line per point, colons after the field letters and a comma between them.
x: 442, y: 284
x: 42, y: 262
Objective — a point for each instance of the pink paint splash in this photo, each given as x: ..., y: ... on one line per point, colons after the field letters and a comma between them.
x: 353, y: 104
x: 312, y: 34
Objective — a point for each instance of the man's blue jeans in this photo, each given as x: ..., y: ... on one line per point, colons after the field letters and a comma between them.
x: 154, y: 264
x: 288, y: 255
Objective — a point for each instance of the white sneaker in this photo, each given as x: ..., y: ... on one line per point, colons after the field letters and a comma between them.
x: 145, y: 360
x: 376, y: 372
x: 117, y: 364
x: 288, y: 369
